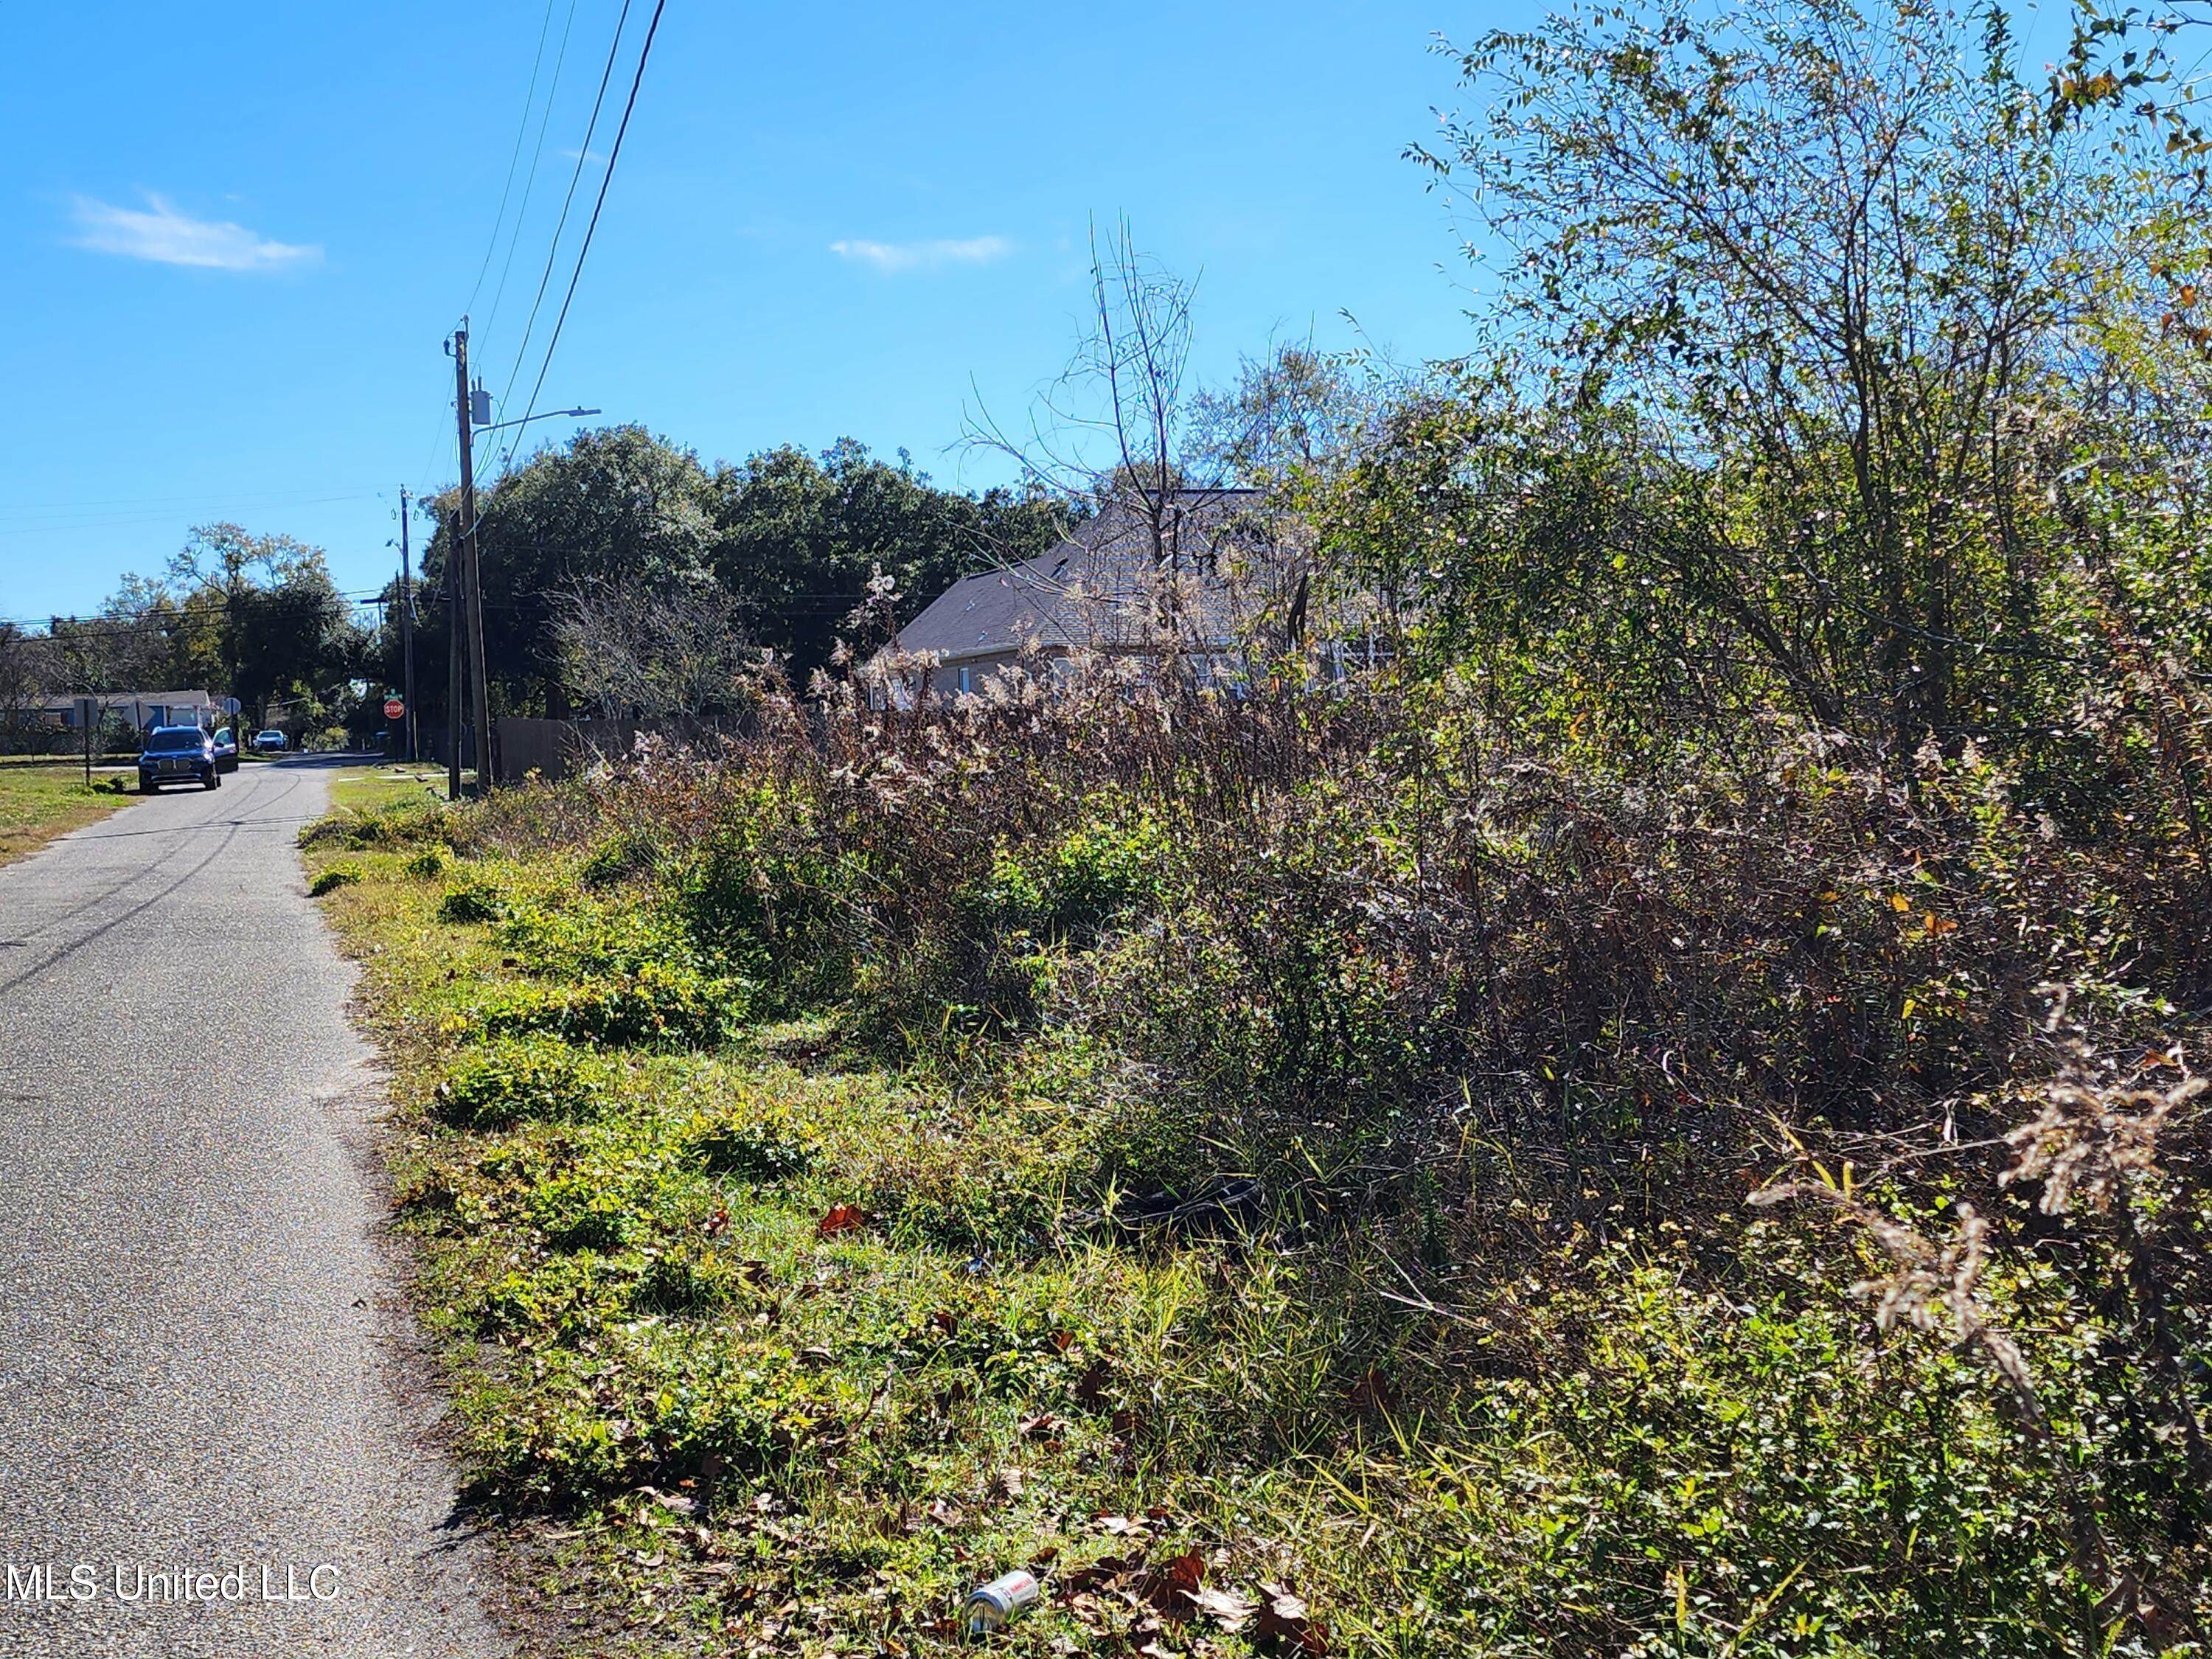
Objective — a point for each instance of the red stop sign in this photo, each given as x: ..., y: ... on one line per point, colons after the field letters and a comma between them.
x: 393, y: 708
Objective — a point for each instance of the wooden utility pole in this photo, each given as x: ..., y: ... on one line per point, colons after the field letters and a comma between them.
x: 472, y: 575
x: 407, y: 631
x: 454, y: 637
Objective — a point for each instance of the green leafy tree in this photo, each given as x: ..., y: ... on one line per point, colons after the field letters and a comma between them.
x: 1790, y: 295
x: 617, y: 502
x: 798, y: 538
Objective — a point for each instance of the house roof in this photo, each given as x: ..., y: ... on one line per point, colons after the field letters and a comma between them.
x: 1096, y: 588
x: 124, y: 699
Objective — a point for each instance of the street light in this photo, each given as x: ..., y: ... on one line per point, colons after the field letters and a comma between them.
x: 549, y: 415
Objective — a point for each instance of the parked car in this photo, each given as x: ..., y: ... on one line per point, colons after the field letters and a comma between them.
x: 177, y: 754
x: 269, y: 743
x: 226, y: 750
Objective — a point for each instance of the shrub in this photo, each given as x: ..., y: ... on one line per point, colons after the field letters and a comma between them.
x: 757, y: 1151
x: 475, y: 902
x: 581, y: 938
x: 580, y: 1213
x: 626, y: 853
x: 329, y: 881
x: 428, y: 864
x: 656, y: 1005
x: 397, y: 824
x: 511, y: 1079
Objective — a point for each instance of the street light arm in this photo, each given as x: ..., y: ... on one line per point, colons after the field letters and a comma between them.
x: 549, y: 415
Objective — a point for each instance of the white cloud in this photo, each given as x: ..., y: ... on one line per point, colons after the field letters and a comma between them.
x: 161, y: 232
x: 583, y: 156
x: 921, y: 256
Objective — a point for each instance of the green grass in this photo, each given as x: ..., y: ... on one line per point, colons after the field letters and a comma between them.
x: 38, y: 803
x: 764, y: 1344
x: 366, y: 788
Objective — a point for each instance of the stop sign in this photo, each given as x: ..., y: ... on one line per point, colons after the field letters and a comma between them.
x: 393, y: 708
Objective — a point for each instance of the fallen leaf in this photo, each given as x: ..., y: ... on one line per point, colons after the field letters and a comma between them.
x: 1225, y: 1607
x: 842, y: 1218
x: 1372, y: 1392
x: 1285, y: 1622
x: 1170, y: 1586
x: 1091, y: 1387
x: 718, y: 1222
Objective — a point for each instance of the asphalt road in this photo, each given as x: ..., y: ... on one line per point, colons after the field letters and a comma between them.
x: 203, y: 1366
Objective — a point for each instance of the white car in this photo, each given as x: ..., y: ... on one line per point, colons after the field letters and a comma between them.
x: 269, y: 743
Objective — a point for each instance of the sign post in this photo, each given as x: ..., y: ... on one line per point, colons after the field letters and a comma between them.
x: 88, y: 718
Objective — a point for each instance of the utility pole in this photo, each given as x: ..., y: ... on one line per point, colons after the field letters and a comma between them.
x: 453, y: 647
x: 407, y: 629
x: 471, y: 575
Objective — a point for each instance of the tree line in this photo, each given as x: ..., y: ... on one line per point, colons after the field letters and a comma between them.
x: 605, y: 534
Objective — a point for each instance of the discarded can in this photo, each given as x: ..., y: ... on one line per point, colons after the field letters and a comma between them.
x: 995, y: 1605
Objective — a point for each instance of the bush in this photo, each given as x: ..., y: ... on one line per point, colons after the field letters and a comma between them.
x: 578, y: 1213
x: 476, y: 902
x: 581, y: 938
x: 511, y: 1079
x: 398, y: 823
x: 621, y: 856
x: 330, y: 880
x: 657, y: 1006
x: 764, y: 1153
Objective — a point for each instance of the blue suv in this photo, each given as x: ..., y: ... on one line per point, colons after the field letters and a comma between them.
x: 177, y: 754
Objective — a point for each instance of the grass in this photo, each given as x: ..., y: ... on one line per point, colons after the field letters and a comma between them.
x: 38, y: 803
x: 366, y: 788
x: 763, y: 1342
x: 778, y: 1288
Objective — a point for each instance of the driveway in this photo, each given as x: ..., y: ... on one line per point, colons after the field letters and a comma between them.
x: 205, y: 1384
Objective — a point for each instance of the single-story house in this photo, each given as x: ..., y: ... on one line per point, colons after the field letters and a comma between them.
x: 144, y: 709
x: 1123, y: 582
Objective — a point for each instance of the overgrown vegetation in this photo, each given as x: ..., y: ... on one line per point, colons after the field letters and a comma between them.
x: 1659, y: 1118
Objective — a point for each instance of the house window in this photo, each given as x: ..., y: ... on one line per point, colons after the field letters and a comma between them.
x: 967, y: 680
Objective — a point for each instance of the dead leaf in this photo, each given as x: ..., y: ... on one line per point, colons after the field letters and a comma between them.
x: 1091, y: 1387
x: 718, y: 1222
x: 842, y: 1218
x: 1284, y: 1624
x: 1170, y: 1586
x: 1372, y: 1392
x: 1225, y: 1607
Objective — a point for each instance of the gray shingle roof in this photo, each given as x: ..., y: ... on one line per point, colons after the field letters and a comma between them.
x: 1096, y: 588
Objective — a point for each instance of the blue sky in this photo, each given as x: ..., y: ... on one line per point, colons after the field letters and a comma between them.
x: 232, y: 238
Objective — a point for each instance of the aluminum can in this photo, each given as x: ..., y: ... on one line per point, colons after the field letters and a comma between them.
x: 996, y: 1605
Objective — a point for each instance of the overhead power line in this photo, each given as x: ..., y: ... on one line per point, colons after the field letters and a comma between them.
x: 606, y: 178
x: 521, y: 131
x: 529, y: 179
x: 560, y: 225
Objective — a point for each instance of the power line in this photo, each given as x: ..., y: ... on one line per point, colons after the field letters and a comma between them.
x: 185, y: 610
x: 614, y: 155
x: 553, y: 250
x: 521, y: 131
x: 536, y: 154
